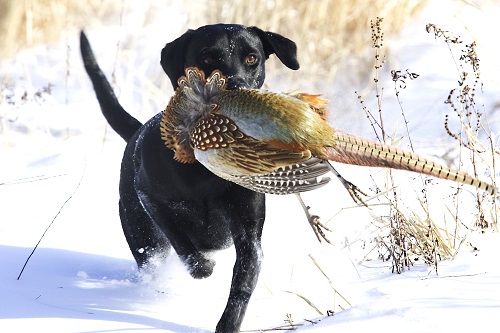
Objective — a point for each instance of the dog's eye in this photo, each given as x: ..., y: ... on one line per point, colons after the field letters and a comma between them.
x: 251, y: 59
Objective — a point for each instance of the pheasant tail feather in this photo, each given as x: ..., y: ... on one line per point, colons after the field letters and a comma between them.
x: 353, y: 150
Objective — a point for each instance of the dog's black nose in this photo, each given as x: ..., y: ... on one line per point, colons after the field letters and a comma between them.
x: 237, y: 83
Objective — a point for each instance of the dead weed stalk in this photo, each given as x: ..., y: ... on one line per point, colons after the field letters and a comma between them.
x: 416, y: 236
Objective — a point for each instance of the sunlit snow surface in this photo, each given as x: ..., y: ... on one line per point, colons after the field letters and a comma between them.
x: 82, y: 277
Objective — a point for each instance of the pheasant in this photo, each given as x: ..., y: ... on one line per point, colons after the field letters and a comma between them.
x: 273, y: 142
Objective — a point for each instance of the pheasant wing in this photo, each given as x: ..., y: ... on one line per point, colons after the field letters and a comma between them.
x: 294, y: 178
x: 261, y: 166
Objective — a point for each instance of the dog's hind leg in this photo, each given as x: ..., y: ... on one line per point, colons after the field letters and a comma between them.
x: 144, y: 238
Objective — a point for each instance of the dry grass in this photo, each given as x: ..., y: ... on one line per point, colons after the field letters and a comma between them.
x: 412, y: 237
x: 328, y: 33
x: 31, y: 22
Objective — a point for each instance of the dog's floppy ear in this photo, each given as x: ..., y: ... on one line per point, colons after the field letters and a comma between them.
x: 284, y: 48
x: 173, y: 56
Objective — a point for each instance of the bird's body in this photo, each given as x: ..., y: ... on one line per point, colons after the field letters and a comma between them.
x: 271, y: 142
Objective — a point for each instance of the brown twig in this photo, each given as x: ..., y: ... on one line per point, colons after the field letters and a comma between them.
x: 50, y: 224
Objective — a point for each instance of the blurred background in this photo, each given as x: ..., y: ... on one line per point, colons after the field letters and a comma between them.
x: 328, y: 32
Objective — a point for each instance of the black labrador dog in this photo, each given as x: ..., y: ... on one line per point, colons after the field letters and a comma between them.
x: 166, y: 204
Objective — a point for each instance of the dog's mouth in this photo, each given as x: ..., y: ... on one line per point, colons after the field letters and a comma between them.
x: 237, y: 83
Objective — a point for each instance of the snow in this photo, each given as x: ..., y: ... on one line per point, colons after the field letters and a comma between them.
x: 82, y: 277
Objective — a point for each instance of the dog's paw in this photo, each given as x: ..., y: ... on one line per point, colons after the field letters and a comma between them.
x: 199, y: 266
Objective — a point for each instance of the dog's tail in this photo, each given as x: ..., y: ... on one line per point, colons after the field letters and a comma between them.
x: 122, y: 122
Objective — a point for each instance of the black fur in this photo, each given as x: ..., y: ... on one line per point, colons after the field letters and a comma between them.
x: 166, y: 204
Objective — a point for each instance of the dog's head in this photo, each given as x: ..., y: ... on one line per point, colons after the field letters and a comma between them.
x: 239, y: 52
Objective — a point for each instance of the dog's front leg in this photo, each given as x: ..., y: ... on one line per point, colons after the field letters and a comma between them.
x: 245, y: 274
x: 246, y: 228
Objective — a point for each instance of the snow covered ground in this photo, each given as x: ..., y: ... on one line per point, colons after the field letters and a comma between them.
x: 82, y: 277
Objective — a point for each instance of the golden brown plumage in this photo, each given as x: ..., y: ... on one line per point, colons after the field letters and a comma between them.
x: 272, y: 142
